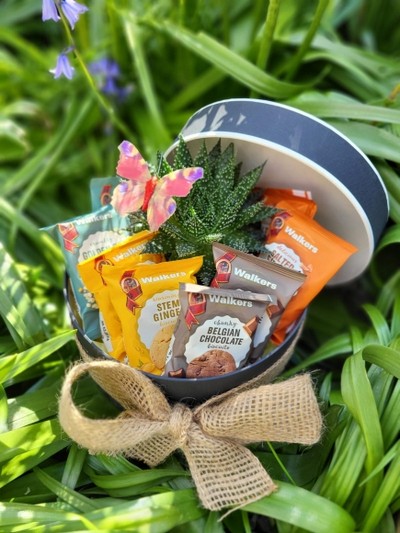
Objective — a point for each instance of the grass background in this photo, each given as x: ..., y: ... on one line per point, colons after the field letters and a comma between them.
x: 338, y: 60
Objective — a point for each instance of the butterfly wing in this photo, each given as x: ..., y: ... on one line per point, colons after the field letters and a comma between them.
x: 128, y: 196
x: 176, y: 183
x: 131, y: 164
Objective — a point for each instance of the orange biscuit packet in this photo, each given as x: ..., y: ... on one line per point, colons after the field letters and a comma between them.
x: 146, y: 299
x: 126, y: 253
x: 299, y: 200
x: 300, y: 243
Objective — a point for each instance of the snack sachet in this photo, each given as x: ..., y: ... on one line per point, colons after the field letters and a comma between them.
x: 215, y: 330
x: 240, y: 270
x: 125, y: 254
x: 101, y: 190
x: 297, y: 199
x: 300, y: 243
x: 83, y: 237
x: 146, y: 299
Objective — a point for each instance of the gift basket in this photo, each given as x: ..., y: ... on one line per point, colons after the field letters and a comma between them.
x: 188, y: 287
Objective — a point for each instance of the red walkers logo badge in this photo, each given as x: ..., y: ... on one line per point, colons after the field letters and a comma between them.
x: 105, y: 195
x: 69, y: 233
x: 196, y: 306
x: 132, y: 289
x: 224, y: 268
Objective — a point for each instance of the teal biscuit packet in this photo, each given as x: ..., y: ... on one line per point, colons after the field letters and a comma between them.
x: 101, y: 191
x: 83, y: 237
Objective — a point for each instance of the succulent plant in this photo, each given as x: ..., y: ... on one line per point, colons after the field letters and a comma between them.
x: 221, y: 207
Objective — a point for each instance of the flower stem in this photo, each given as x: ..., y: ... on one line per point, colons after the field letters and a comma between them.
x: 104, y: 104
x: 294, y: 65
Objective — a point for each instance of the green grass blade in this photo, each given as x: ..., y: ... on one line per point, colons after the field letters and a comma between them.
x: 15, y: 513
x: 372, y: 140
x: 33, y: 406
x: 3, y: 410
x: 124, y: 485
x: 74, y: 499
x: 379, y: 322
x: 335, y: 105
x: 383, y: 496
x: 358, y: 396
x: 23, y: 462
x: 13, y: 365
x: 16, y: 307
x: 383, y: 356
x: 301, y: 508
x: 73, y: 466
x: 158, y: 514
x: 231, y: 62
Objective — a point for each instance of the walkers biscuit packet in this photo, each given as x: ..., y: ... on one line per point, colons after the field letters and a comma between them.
x: 240, y: 270
x: 125, y: 254
x: 83, y: 237
x: 300, y: 243
x: 101, y: 190
x: 215, y: 330
x: 146, y: 300
x: 297, y: 199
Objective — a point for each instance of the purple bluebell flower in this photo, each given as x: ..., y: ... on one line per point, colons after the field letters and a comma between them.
x: 63, y: 66
x: 105, y: 67
x: 72, y: 11
x: 107, y: 73
x: 49, y: 11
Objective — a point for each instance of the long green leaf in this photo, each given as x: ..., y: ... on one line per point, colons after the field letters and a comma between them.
x: 231, y: 62
x: 383, y: 356
x: 16, y: 307
x: 302, y: 508
x: 358, y: 396
x: 12, y: 365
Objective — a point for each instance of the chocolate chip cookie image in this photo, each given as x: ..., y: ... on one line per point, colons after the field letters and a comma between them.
x: 159, y: 347
x: 211, y: 363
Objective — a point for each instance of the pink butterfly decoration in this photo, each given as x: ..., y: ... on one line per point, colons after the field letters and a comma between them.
x: 149, y: 193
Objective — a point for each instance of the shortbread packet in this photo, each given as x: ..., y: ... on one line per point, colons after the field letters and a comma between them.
x: 125, y: 254
x: 146, y: 299
x: 297, y: 199
x: 83, y: 237
x: 101, y: 190
x: 215, y: 329
x: 239, y: 270
x: 302, y: 244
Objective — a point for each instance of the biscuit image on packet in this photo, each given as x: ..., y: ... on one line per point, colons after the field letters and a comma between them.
x: 302, y: 244
x: 83, y: 237
x: 126, y: 254
x: 146, y: 300
x: 215, y: 329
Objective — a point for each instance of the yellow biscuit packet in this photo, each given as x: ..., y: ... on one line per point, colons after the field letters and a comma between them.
x: 126, y: 253
x: 146, y: 299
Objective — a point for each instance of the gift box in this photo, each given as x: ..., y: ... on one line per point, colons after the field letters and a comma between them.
x: 301, y: 152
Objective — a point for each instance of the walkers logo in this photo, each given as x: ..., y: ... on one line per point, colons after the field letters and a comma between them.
x: 300, y: 239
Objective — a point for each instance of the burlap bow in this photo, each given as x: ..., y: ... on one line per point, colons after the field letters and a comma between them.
x: 212, y: 436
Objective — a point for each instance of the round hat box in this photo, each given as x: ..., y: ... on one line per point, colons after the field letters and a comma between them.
x: 301, y: 152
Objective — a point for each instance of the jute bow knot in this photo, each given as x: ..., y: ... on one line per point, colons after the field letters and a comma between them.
x: 179, y: 423
x: 212, y: 436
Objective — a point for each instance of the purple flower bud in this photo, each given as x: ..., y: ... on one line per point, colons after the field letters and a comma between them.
x: 63, y: 67
x: 72, y: 11
x: 49, y: 11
